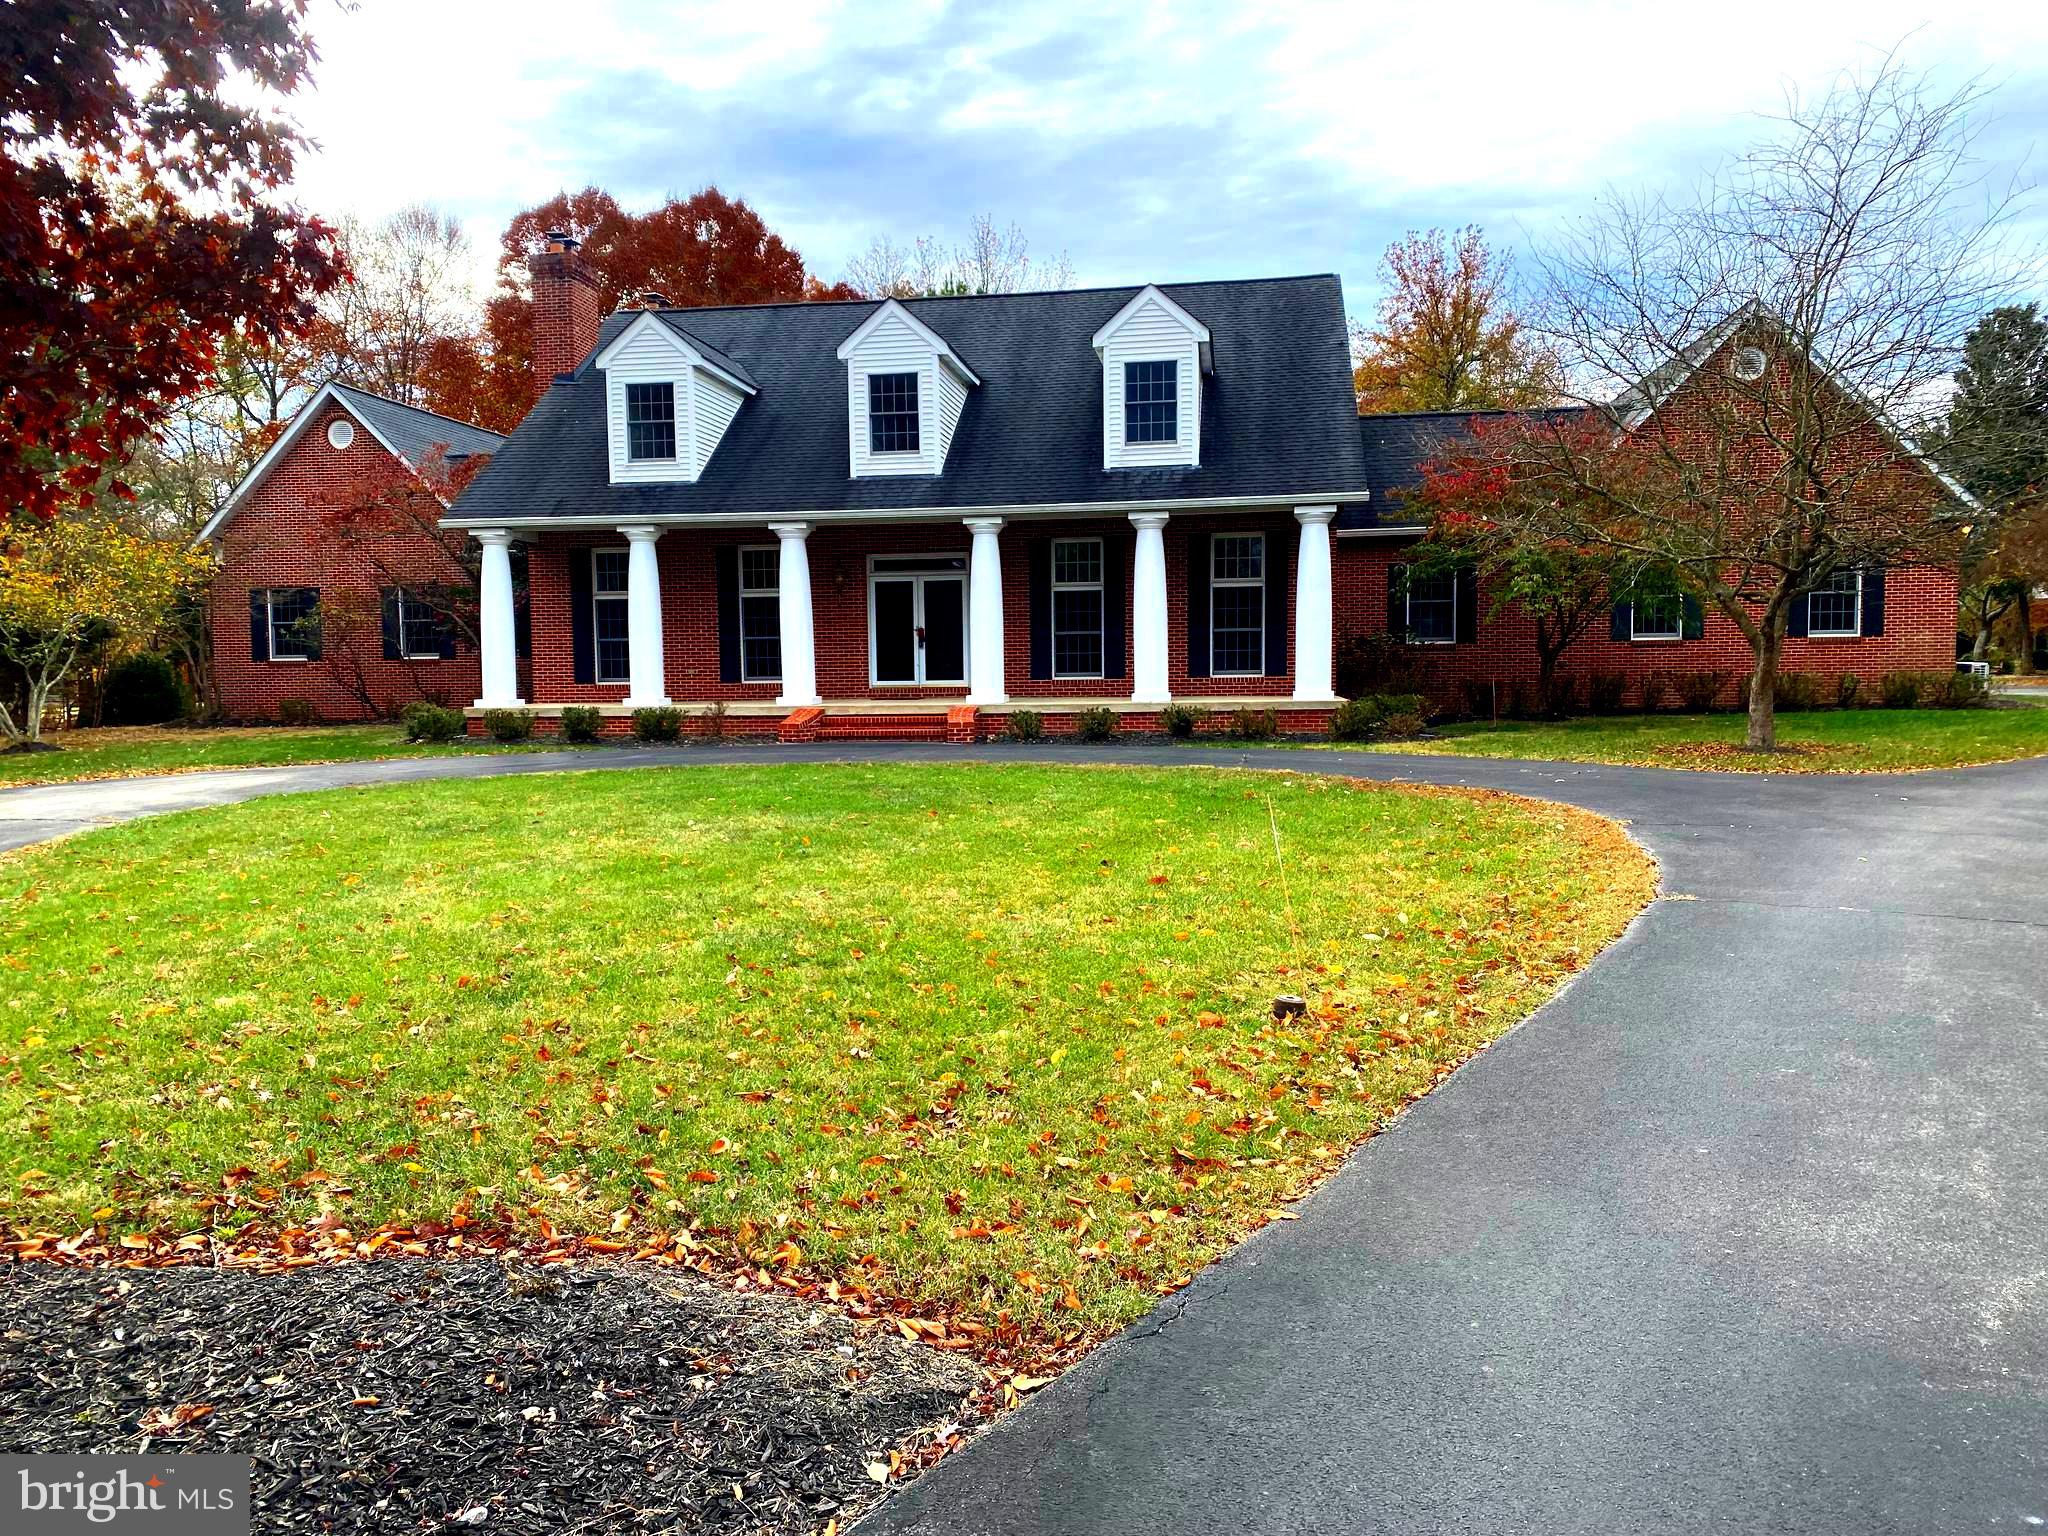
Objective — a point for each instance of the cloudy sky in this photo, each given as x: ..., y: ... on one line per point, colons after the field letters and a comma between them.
x: 1166, y: 142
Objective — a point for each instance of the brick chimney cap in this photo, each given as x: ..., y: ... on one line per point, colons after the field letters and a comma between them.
x: 562, y: 240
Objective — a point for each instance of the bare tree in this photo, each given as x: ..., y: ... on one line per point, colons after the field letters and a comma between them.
x: 1750, y: 359
x: 992, y: 260
x: 411, y: 288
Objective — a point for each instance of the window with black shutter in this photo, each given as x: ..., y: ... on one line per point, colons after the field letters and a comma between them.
x: 1237, y: 605
x: 760, y: 575
x: 608, y: 615
x: 292, y: 623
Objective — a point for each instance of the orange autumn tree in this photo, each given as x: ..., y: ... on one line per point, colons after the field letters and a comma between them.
x: 1448, y: 337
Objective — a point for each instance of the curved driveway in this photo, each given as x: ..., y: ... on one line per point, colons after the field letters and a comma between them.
x: 1747, y: 1230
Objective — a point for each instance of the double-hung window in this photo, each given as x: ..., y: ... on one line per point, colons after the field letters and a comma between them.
x: 761, y: 614
x: 608, y: 615
x: 892, y: 413
x: 1657, y: 613
x: 1237, y: 605
x: 423, y: 626
x: 650, y: 421
x: 294, y: 623
x: 1433, y: 608
x: 1152, y: 402
x: 1835, y: 609
x: 1077, y: 600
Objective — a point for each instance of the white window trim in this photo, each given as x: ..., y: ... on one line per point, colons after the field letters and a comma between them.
x: 894, y: 455
x: 966, y: 612
x: 1636, y: 633
x: 1855, y: 632
x: 675, y: 423
x: 270, y: 624
x: 1408, y: 613
x: 1259, y: 581
x: 622, y: 599
x: 1102, y: 612
x: 1180, y: 435
x: 746, y: 592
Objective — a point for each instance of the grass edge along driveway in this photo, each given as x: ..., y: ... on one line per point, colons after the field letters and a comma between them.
x: 119, y: 752
x: 995, y: 1039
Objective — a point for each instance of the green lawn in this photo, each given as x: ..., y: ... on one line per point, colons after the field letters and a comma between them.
x: 987, y: 1037
x: 116, y: 752
x: 1839, y: 741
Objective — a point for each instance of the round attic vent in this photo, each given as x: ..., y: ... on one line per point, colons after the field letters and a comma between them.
x: 1749, y: 364
x: 340, y: 433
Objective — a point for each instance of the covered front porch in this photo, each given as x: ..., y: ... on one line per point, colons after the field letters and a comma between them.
x: 817, y: 628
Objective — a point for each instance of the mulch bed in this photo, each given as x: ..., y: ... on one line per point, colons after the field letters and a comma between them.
x: 486, y: 1395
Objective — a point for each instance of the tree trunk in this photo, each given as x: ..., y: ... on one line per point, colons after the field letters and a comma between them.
x: 2025, y: 662
x: 1983, y: 641
x: 1763, y: 690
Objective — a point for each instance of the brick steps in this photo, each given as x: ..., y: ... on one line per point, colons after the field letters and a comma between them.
x: 881, y: 728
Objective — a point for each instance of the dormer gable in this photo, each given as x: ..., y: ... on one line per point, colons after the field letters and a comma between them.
x: 905, y: 390
x: 1154, y: 354
x: 668, y: 401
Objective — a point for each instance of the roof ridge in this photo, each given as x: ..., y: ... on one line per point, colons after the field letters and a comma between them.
x: 418, y: 410
x: 1021, y: 293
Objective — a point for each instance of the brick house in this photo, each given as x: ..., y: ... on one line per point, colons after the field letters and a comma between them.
x: 912, y: 518
x: 332, y: 586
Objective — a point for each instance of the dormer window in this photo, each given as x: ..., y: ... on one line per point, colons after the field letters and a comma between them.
x: 650, y: 421
x: 1154, y: 355
x: 892, y: 413
x: 1151, y: 402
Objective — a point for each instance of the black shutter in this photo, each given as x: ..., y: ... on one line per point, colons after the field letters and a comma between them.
x: 1621, y: 624
x: 582, y: 619
x: 1397, y: 601
x: 309, y: 626
x: 1468, y: 605
x: 1114, y: 596
x: 388, y: 620
x: 444, y: 623
x: 1279, y: 560
x: 1795, y: 616
x: 1038, y: 593
x: 1693, y: 622
x: 1873, y: 600
x: 1198, y: 604
x: 726, y: 564
x: 259, y: 624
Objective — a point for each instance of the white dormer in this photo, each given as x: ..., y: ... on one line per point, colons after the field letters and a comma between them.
x: 667, y: 402
x: 905, y: 390
x: 1154, y: 354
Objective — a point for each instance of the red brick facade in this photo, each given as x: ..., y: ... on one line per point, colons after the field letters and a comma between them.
x: 282, y: 536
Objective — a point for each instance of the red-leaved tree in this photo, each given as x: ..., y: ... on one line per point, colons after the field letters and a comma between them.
x: 140, y: 225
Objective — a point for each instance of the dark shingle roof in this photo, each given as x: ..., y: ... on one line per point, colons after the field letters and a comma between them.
x: 1277, y: 413
x: 415, y: 433
x: 1398, y: 446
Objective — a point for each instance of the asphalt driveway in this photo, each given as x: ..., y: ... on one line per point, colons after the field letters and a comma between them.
x: 1745, y: 1231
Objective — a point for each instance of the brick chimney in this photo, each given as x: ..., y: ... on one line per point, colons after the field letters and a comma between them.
x: 567, y: 309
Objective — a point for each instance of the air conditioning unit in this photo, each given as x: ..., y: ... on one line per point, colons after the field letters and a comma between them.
x: 1974, y: 668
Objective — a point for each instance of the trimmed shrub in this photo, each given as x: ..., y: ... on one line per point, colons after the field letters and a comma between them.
x: 143, y: 690
x: 1098, y: 724
x: 1657, y: 690
x: 431, y: 722
x: 714, y: 722
x: 658, y: 724
x: 1358, y: 719
x: 581, y: 722
x: 1900, y: 690
x: 1404, y: 725
x: 296, y: 711
x: 1182, y: 721
x: 1024, y: 725
x: 1248, y: 724
x: 1955, y: 690
x: 1605, y: 691
x: 1848, y: 689
x: 1796, y: 691
x: 509, y: 724
x: 1698, y: 692
x: 1381, y: 663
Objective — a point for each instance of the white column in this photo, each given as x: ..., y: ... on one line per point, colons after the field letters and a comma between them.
x: 645, y: 684
x: 799, y: 654
x: 497, y: 635
x: 985, y: 613
x: 1148, y: 610
x: 1312, y: 624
